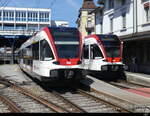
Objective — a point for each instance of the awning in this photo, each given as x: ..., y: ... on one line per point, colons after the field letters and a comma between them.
x: 136, y: 36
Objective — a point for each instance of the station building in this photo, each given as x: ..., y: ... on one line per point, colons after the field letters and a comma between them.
x: 13, y: 18
x: 130, y: 20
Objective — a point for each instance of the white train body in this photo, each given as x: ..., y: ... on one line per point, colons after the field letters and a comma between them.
x: 52, y: 54
x: 98, y: 57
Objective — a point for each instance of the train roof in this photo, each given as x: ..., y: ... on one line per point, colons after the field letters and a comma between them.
x: 102, y: 35
x: 106, y: 35
x: 62, y: 28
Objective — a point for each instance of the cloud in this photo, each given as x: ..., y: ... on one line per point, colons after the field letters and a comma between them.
x: 73, y: 4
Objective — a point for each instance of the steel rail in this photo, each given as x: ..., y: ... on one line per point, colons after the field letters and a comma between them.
x: 76, y: 107
x: 33, y: 96
x: 11, y: 105
x: 39, y: 99
x: 121, y: 109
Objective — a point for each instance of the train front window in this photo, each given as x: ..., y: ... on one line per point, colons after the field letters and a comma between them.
x: 111, y: 45
x: 67, y: 50
x: 66, y: 42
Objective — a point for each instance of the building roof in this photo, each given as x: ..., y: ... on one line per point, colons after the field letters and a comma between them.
x: 88, y: 4
x: 97, y: 9
x: 25, y: 9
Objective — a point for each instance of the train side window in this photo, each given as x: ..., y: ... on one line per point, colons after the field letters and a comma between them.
x: 45, y: 51
x: 35, y: 48
x: 85, y: 51
x: 96, y: 52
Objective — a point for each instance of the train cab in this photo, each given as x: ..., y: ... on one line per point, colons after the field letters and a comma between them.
x: 102, y: 53
x: 54, y: 53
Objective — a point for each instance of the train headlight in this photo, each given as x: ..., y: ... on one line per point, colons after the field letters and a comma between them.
x: 104, y: 68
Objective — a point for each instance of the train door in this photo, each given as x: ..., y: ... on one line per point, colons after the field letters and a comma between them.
x: 35, y: 63
x: 96, y: 57
x: 86, y: 58
x: 30, y: 57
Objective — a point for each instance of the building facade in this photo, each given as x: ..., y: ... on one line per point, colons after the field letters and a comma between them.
x: 130, y: 20
x: 12, y: 18
x: 86, y: 19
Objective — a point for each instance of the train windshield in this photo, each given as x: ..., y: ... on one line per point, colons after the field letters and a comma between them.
x: 111, y: 44
x: 67, y: 42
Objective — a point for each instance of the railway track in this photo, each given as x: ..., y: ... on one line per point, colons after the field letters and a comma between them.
x: 27, y: 101
x: 76, y: 101
x: 84, y: 100
x: 7, y: 106
x: 91, y: 103
x: 33, y: 98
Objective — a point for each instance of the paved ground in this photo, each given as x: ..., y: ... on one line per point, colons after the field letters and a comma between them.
x: 13, y: 72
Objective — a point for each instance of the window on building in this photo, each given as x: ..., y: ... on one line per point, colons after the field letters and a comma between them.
x: 89, y: 32
x: 6, y: 15
x: 23, y: 16
x: 89, y: 23
x: 123, y: 2
x: 111, y: 4
x: 11, y: 16
x: 111, y: 25
x: 19, y: 16
x: 41, y: 16
x: 34, y: 16
x: 44, y: 17
x: 47, y: 17
x: 147, y: 12
x: 101, y: 27
x: 124, y: 20
x: 29, y: 16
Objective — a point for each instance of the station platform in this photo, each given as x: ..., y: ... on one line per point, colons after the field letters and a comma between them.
x: 14, y: 73
x: 116, y: 92
x: 138, y: 78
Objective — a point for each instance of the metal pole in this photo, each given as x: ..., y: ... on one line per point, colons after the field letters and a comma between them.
x: 12, y: 62
x: 136, y: 16
x: 133, y: 16
x: 149, y: 10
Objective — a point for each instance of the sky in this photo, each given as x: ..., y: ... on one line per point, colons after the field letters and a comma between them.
x: 66, y: 10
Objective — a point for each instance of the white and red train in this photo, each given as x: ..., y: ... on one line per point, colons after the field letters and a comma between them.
x: 54, y: 53
x: 102, y: 53
x: 59, y: 53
